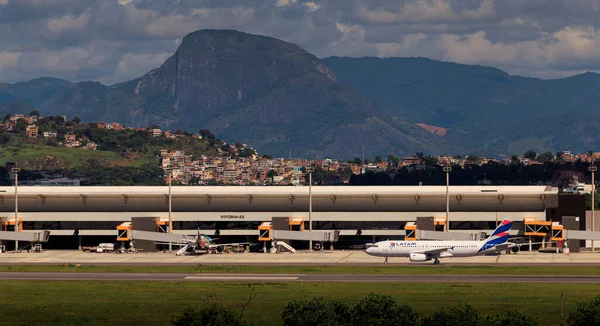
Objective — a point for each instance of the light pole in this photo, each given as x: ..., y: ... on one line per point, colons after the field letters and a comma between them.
x: 170, y: 221
x: 310, y: 171
x: 593, y: 169
x: 447, y: 169
x: 16, y: 171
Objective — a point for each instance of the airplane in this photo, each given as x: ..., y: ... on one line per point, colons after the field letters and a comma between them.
x: 428, y: 250
x: 202, y: 244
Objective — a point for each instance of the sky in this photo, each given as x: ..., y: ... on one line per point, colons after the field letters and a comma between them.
x: 116, y: 40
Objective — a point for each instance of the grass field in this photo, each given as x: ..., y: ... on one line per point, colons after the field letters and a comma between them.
x: 31, y: 152
x: 153, y: 303
x: 335, y: 269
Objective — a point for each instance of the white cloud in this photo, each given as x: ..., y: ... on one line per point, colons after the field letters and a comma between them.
x: 8, y: 60
x: 284, y: 3
x: 423, y: 11
x: 312, y: 6
x: 125, y: 37
x: 351, y: 31
x: 67, y: 23
x: 139, y: 64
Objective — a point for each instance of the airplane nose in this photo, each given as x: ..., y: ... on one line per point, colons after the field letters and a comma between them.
x: 370, y: 250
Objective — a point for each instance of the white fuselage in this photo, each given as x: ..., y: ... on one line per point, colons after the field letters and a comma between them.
x: 405, y: 248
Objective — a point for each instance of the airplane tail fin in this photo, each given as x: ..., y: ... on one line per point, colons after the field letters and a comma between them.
x: 500, y: 234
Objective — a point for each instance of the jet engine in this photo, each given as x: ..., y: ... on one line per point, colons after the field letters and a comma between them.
x: 419, y: 257
x: 515, y: 249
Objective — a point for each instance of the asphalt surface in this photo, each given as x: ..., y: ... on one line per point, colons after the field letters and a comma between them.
x: 378, y: 264
x: 63, y: 276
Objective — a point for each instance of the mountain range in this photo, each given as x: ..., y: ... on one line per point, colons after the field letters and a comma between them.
x: 277, y: 97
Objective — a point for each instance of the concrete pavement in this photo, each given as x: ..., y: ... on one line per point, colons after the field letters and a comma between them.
x: 53, y: 257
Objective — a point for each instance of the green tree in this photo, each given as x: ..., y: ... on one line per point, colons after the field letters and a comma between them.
x: 430, y: 160
x: 380, y: 309
x: 76, y: 120
x: 587, y: 313
x: 530, y: 154
x: 588, y: 201
x: 267, y: 156
x: 458, y: 314
x: 271, y: 173
x: 377, y: 159
x: 4, y: 139
x: 206, y: 134
x: 20, y: 126
x: 246, y: 152
x: 357, y: 161
x: 514, y: 159
x: 59, y: 120
x: 6, y: 118
x: 316, y: 311
x: 346, y: 172
x: 34, y: 113
x: 473, y: 158
x: 510, y: 318
x: 546, y: 157
x: 393, y: 160
x: 213, y: 312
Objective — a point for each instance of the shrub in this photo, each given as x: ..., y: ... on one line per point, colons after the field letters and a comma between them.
x: 209, y: 314
x: 316, y: 311
x: 587, y: 313
x: 459, y: 314
x: 511, y: 318
x: 380, y: 309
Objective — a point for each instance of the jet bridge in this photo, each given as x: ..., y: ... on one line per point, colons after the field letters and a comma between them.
x: 582, y: 235
x: 34, y: 237
x: 276, y: 236
x: 440, y: 235
x: 159, y: 237
x: 321, y: 236
x: 175, y: 239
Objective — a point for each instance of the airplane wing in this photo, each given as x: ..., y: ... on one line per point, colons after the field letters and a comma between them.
x: 216, y: 245
x: 433, y: 252
x: 174, y: 244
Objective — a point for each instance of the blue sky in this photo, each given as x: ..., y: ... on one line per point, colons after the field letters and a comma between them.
x: 116, y: 40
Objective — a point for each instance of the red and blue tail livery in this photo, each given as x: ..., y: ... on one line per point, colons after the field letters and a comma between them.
x: 499, y: 236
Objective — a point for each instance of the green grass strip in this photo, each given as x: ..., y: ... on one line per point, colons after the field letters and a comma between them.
x: 153, y: 303
x: 334, y: 269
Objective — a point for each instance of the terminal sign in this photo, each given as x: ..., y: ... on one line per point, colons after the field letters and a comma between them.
x: 231, y: 216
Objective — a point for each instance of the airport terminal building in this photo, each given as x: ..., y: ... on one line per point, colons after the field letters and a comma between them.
x: 361, y: 213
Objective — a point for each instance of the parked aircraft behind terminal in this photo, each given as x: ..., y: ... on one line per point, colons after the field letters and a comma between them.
x: 428, y: 249
x: 202, y: 243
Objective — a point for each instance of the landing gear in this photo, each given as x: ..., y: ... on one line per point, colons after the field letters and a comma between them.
x: 386, y: 261
x: 436, y: 262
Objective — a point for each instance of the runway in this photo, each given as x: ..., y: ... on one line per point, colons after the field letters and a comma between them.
x: 366, y: 278
x: 300, y: 258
